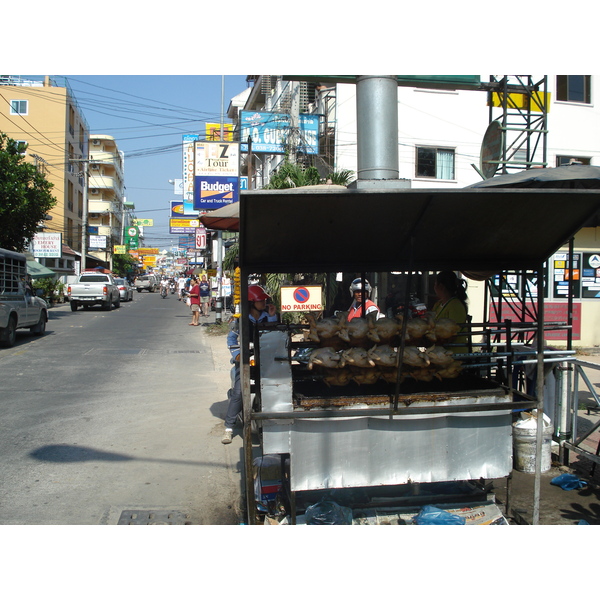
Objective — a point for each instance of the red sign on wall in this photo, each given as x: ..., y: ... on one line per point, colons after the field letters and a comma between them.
x: 554, y: 312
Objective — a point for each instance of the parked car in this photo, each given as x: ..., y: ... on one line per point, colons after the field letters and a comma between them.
x: 145, y: 282
x: 19, y: 308
x: 125, y: 289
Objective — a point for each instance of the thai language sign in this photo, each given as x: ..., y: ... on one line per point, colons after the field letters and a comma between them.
x: 47, y: 245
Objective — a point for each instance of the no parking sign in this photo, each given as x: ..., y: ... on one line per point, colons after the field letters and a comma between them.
x: 301, y: 297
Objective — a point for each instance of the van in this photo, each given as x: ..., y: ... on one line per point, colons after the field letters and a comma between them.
x: 19, y: 307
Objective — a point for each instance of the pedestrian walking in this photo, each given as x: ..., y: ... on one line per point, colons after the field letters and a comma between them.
x: 180, y: 286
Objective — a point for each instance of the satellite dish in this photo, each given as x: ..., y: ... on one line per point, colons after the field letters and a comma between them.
x: 491, y: 149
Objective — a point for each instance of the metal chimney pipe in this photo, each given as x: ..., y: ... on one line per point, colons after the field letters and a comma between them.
x: 377, y: 126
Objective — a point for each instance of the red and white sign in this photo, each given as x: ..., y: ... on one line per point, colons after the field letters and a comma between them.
x: 200, y: 238
x: 301, y: 297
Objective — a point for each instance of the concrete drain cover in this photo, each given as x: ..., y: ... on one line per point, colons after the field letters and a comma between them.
x: 154, y: 517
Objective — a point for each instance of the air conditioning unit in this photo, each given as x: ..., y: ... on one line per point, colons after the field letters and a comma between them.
x: 94, y: 191
x: 96, y: 142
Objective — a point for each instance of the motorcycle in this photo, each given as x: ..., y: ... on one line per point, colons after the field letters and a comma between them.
x: 163, y: 291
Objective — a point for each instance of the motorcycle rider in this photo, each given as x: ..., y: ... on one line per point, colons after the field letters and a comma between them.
x: 164, y: 287
x: 356, y: 308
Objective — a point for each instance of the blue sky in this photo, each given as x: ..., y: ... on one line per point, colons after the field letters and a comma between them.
x: 147, y: 115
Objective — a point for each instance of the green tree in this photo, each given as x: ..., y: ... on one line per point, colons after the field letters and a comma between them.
x: 291, y: 175
x: 123, y: 264
x: 25, y: 197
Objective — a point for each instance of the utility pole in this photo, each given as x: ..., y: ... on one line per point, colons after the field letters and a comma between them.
x: 219, y: 302
x: 84, y: 218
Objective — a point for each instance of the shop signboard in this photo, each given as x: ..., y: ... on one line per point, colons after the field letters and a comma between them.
x: 176, y: 209
x: 97, y: 241
x: 563, y: 276
x: 213, y: 132
x: 216, y: 174
x: 270, y: 132
x: 200, y: 238
x: 590, y: 275
x: 183, y: 225
x: 188, y: 173
x: 47, y: 245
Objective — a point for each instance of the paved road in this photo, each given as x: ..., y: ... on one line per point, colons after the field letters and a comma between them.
x: 116, y: 416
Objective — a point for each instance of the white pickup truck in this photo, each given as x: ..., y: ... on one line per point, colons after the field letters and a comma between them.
x: 91, y: 288
x: 19, y: 308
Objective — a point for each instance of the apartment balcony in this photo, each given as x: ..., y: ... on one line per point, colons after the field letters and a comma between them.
x: 105, y: 185
x: 104, y: 206
x: 101, y: 159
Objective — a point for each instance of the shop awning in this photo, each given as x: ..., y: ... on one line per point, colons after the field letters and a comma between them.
x: 38, y: 271
x: 585, y: 177
x: 226, y: 218
x: 469, y: 229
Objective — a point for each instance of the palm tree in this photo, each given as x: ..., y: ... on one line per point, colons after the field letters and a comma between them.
x: 291, y: 175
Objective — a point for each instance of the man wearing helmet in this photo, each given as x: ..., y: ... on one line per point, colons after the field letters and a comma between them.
x: 259, y: 312
x: 356, y: 308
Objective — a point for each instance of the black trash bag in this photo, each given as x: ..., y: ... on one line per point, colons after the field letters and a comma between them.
x: 328, y: 512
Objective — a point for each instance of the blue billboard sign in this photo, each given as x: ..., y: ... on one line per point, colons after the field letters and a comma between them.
x: 215, y: 192
x: 269, y: 132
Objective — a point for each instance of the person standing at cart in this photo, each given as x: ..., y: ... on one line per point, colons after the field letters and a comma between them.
x: 259, y: 312
x: 451, y: 293
x: 356, y: 308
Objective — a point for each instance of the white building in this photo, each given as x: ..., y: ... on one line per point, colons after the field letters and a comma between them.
x: 106, y: 196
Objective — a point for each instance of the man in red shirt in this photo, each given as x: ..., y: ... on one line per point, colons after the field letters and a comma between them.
x: 356, y: 308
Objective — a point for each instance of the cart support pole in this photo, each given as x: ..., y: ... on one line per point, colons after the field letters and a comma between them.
x: 244, y: 326
x: 540, y: 397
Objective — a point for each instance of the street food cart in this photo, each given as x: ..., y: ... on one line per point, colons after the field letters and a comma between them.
x: 399, y: 434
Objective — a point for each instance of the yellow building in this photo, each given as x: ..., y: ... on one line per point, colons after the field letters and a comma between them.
x: 45, y: 115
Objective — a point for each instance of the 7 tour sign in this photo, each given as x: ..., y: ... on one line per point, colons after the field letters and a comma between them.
x: 301, y: 297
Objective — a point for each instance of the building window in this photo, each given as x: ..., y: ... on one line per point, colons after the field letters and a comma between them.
x: 573, y: 88
x: 435, y: 163
x: 562, y: 161
x: 18, y: 107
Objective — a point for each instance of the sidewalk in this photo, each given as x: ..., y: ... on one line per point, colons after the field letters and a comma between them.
x: 557, y: 506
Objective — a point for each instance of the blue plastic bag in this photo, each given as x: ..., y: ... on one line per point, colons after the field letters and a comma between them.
x: 568, y: 482
x: 328, y: 512
x: 432, y: 515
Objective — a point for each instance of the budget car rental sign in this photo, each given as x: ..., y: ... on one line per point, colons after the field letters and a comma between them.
x: 216, y: 174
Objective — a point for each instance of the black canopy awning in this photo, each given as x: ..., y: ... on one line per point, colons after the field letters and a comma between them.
x: 469, y: 229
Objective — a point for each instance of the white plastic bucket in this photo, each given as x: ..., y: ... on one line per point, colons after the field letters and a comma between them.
x: 524, y: 444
